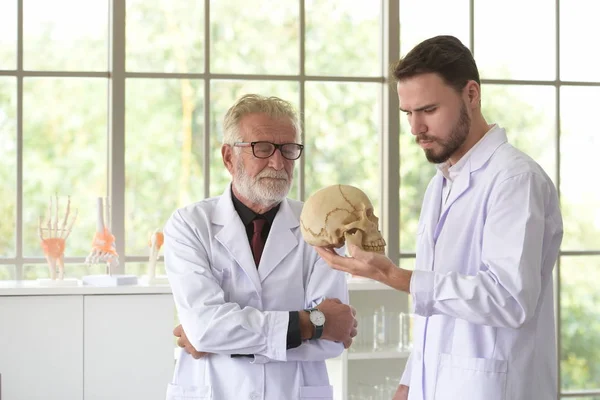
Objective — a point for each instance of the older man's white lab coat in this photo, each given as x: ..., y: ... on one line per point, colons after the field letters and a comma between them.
x: 228, y: 306
x: 482, y: 288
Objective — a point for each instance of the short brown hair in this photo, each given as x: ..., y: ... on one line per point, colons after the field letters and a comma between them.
x: 443, y: 55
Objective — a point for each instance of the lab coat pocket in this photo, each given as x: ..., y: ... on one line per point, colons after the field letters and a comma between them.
x: 178, y: 392
x: 468, y: 378
x: 316, y: 392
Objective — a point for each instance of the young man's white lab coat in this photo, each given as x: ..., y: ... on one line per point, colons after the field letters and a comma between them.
x: 482, y: 288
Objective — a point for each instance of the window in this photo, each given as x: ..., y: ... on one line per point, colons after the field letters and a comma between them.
x: 126, y: 98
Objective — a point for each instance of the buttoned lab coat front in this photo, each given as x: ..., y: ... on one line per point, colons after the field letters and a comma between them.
x: 482, y: 285
x: 228, y: 306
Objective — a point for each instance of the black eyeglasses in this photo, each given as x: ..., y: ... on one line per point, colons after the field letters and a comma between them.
x: 291, y: 151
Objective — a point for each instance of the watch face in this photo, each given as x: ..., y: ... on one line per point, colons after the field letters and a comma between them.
x: 317, y: 318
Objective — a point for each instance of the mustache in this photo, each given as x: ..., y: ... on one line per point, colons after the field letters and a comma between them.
x: 421, y: 138
x: 272, y: 173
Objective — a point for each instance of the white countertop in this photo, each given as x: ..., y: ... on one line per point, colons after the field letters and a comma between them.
x: 33, y: 288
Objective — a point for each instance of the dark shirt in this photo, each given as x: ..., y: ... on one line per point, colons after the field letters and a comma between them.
x: 247, y: 216
x: 294, y: 339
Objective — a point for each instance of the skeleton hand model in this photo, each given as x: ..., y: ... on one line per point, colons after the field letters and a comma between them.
x: 53, y: 239
x: 338, y: 214
x: 156, y: 241
x: 103, y: 245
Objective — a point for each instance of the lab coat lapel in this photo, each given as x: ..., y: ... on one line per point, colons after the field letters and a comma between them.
x: 432, y: 219
x: 492, y: 140
x: 281, y: 240
x: 459, y: 186
x: 233, y: 237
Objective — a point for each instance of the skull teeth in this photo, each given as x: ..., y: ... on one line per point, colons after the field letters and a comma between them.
x: 374, y: 248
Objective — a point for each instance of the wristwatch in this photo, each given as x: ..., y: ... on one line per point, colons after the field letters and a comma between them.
x: 317, y: 318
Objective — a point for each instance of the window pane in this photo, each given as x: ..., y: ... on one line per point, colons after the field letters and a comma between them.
x: 580, y: 323
x: 579, y: 24
x: 581, y: 398
x: 579, y: 144
x: 8, y: 165
x: 8, y: 34
x: 72, y: 271
x: 415, y: 174
x: 67, y: 35
x: 165, y: 36
x: 223, y: 95
x: 449, y: 18
x: 407, y: 263
x: 64, y: 153
x: 141, y: 268
x: 343, y: 38
x: 504, y: 52
x: 40, y: 271
x: 261, y: 41
x: 342, y: 137
x: 528, y: 115
x: 7, y: 272
x: 164, y: 154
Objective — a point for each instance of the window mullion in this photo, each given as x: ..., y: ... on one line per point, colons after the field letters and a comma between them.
x: 116, y: 128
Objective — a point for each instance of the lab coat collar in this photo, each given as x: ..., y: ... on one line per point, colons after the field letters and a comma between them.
x: 484, y: 150
x: 488, y: 145
x: 232, y: 236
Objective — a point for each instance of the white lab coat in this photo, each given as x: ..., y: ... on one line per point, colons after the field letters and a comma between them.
x: 227, y: 306
x: 482, y: 285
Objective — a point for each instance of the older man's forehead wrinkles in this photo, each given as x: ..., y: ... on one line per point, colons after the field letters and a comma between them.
x: 271, y: 130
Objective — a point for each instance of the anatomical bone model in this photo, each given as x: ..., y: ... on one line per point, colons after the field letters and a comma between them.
x: 54, y: 238
x: 338, y: 214
x: 103, y: 245
x: 156, y: 241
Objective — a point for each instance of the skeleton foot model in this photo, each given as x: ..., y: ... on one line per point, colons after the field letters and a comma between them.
x: 338, y: 214
x: 53, y: 238
x: 103, y: 245
x: 155, y: 243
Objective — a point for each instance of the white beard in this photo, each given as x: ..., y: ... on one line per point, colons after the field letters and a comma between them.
x: 265, y: 192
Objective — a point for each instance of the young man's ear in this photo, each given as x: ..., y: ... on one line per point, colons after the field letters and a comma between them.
x: 473, y: 94
x: 227, y: 154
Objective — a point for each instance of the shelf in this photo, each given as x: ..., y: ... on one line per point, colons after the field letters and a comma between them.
x: 377, y: 355
x: 366, y: 284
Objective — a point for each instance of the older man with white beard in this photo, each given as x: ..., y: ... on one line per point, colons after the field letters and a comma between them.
x: 260, y: 311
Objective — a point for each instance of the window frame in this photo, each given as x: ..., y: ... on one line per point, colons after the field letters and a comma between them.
x: 116, y: 75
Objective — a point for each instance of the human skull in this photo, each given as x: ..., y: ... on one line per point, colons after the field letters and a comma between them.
x: 338, y: 214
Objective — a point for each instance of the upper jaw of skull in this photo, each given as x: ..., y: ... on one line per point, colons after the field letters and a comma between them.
x: 365, y: 235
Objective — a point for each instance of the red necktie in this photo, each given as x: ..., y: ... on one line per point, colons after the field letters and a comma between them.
x: 257, y: 242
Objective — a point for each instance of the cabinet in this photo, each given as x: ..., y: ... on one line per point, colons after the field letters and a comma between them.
x: 88, y: 343
x: 41, y: 347
x: 85, y: 342
x: 371, y: 366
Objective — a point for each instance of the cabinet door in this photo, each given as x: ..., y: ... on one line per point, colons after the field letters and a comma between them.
x: 41, y: 347
x: 128, y: 346
x: 376, y: 360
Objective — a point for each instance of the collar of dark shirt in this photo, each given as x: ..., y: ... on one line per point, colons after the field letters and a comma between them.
x: 247, y: 215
